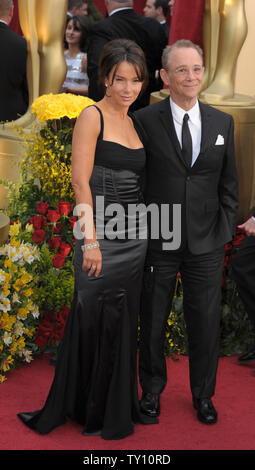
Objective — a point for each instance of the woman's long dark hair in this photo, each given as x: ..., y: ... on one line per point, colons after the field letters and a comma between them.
x: 81, y: 23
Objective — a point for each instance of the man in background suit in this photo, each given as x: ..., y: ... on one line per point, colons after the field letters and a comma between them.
x: 243, y: 265
x: 158, y: 9
x: 123, y: 22
x: 77, y: 7
x: 13, y: 57
x: 190, y: 162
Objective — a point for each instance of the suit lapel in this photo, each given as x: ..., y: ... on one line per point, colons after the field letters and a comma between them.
x: 166, y: 119
x: 206, y: 127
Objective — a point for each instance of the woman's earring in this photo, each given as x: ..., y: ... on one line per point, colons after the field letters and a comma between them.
x: 106, y: 85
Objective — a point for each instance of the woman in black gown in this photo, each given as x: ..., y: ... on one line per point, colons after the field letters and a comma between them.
x: 95, y: 380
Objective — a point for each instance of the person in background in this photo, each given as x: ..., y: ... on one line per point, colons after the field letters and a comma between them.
x: 171, y: 6
x: 85, y: 8
x: 158, y: 9
x: 243, y: 264
x: 76, y: 36
x: 13, y: 80
x: 124, y: 22
x: 77, y: 7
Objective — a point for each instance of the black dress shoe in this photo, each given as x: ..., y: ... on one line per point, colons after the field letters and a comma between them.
x: 248, y: 356
x: 206, y: 412
x: 150, y: 405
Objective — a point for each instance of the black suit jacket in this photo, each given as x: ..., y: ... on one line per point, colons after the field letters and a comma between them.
x: 13, y: 83
x: 166, y: 29
x: 146, y: 32
x: 207, y: 191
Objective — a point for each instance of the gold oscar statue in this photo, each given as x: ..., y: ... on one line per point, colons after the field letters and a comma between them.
x: 224, y: 32
x: 4, y: 227
x: 43, y: 25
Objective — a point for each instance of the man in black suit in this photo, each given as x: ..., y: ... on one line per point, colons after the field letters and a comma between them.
x: 158, y: 9
x: 190, y: 162
x: 13, y: 57
x: 243, y: 265
x: 123, y: 22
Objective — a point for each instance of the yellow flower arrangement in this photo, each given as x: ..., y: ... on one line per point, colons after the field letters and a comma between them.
x: 18, y: 313
x: 49, y: 145
x: 50, y: 106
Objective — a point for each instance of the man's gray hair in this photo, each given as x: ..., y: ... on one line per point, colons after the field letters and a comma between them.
x: 181, y: 43
x: 5, y: 6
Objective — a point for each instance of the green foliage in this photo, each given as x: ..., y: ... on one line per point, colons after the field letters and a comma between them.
x: 237, y: 332
x: 176, y: 333
x: 56, y: 285
x: 22, y: 201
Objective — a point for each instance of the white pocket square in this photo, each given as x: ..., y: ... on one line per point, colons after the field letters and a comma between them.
x: 220, y: 140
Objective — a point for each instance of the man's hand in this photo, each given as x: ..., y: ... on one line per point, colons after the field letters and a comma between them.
x: 248, y: 227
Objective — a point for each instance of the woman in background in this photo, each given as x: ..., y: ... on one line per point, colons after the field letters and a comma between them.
x: 76, y: 38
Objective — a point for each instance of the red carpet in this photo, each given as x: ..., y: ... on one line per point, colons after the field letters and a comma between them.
x: 179, y: 429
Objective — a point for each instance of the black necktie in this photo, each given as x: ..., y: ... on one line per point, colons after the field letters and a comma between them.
x: 186, y: 141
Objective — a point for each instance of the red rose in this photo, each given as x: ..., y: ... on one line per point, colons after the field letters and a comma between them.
x: 53, y: 215
x: 44, y: 331
x: 38, y: 221
x: 64, y: 207
x: 58, y: 261
x: 42, y: 338
x: 42, y: 207
x: 238, y: 240
x: 72, y: 221
x: 55, y: 243
x: 48, y: 316
x: 57, y: 229
x: 64, y: 249
x: 63, y: 313
x: 38, y: 236
x: 227, y: 261
x: 228, y: 247
x: 60, y: 323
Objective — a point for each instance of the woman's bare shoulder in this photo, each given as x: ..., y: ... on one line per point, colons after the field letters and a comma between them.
x: 90, y: 118
x: 89, y: 113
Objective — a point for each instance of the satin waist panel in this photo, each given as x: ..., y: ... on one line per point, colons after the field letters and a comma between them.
x: 121, y: 186
x: 116, y: 198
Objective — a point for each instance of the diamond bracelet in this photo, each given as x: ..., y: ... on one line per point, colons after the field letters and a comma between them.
x: 89, y: 246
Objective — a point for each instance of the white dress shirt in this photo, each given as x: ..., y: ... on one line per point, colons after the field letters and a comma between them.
x: 2, y: 21
x: 194, y: 124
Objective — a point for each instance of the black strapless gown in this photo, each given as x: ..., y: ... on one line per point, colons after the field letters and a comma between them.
x: 95, y: 380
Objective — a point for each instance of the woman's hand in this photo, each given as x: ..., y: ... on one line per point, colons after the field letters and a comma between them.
x: 92, y: 261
